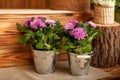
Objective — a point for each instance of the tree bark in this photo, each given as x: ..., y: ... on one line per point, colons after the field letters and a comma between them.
x: 119, y: 45
x: 106, y: 46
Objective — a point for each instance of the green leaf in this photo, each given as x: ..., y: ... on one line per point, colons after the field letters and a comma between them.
x: 22, y: 41
x: 56, y: 37
x: 40, y: 45
x: 55, y: 51
x: 118, y: 3
x: 78, y: 50
x: 81, y: 23
x: 85, y: 27
x: 39, y: 33
x: 48, y: 46
x: 87, y: 48
x: 44, y: 38
x: 65, y: 47
x: 21, y: 28
x: 50, y: 35
x: 117, y: 11
x: 29, y: 35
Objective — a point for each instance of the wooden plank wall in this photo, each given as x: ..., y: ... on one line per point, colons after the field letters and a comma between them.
x: 12, y: 53
x: 24, y: 4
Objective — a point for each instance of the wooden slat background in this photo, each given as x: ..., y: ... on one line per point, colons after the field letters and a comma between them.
x: 12, y: 53
x: 24, y: 4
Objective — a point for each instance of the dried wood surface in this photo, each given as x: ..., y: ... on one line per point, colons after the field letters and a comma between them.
x: 24, y: 4
x: 114, y: 71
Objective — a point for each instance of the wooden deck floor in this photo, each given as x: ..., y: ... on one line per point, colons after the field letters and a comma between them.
x: 114, y: 71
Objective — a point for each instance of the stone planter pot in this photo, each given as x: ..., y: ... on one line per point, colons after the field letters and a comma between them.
x: 79, y: 64
x: 44, y: 61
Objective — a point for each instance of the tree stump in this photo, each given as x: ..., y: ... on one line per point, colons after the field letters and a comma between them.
x: 106, y: 46
x: 119, y: 48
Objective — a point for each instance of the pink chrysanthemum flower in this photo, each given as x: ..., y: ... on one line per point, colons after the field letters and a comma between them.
x: 70, y: 25
x: 90, y: 23
x: 37, y: 23
x: 33, y: 25
x: 78, y: 33
x: 40, y: 23
x: 28, y: 21
x: 74, y: 22
x: 50, y: 22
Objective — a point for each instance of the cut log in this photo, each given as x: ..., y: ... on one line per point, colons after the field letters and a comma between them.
x: 106, y: 46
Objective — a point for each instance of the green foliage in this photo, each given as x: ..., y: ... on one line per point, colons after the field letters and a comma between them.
x: 118, y: 3
x: 117, y: 11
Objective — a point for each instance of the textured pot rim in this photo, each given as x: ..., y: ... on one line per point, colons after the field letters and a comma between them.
x: 42, y: 50
x: 80, y: 54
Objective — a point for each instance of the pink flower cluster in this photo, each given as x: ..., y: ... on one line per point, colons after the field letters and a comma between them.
x: 39, y: 22
x: 78, y: 33
x: 90, y: 23
x: 70, y: 25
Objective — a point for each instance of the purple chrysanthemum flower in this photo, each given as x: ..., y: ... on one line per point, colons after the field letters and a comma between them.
x: 40, y: 23
x: 27, y: 22
x: 40, y: 17
x: 69, y: 26
x: 90, y: 23
x: 33, y: 25
x: 78, y: 33
x: 75, y: 22
x: 50, y: 22
x: 37, y: 23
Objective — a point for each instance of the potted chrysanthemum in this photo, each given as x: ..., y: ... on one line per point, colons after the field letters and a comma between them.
x: 43, y: 36
x: 78, y: 39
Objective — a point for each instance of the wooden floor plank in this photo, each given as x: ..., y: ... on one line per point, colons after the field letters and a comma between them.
x: 114, y: 71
